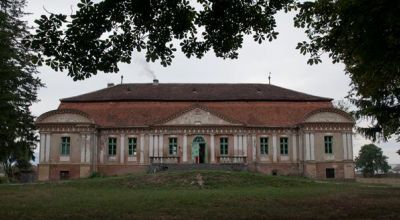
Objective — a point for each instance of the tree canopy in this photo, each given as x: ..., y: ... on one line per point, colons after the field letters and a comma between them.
x: 365, y: 36
x: 362, y: 34
x: 370, y: 160
x: 100, y: 35
x: 18, y: 88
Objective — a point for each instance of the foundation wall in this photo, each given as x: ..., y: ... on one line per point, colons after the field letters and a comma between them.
x: 43, y: 172
x: 310, y: 170
x: 111, y: 170
x: 321, y: 170
x: 287, y: 169
x: 343, y: 170
x: 72, y: 169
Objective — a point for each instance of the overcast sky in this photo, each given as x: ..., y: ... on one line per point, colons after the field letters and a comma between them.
x: 288, y: 67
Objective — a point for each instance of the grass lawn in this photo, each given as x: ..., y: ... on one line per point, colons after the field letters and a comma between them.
x: 199, y: 195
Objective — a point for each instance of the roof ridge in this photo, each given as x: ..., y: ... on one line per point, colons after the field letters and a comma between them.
x: 194, y: 92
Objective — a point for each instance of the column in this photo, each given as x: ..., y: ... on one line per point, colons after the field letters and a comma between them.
x: 350, y: 146
x: 83, y: 147
x: 274, y: 150
x: 161, y: 145
x: 141, y: 148
x: 245, y: 145
x: 254, y: 147
x: 42, y: 147
x: 301, y: 148
x: 184, y: 148
x: 155, y: 144
x: 47, y: 157
x: 240, y: 145
x: 151, y: 145
x: 294, y: 148
x: 345, y: 150
x: 87, y: 153
x: 307, y: 148
x: 212, y: 148
x: 122, y: 150
x: 235, y: 145
x: 102, y: 147
x: 102, y: 155
x: 94, y: 150
x: 312, y: 146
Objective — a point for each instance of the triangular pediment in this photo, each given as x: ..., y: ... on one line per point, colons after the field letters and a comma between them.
x: 327, y: 117
x: 198, y: 116
x: 64, y: 116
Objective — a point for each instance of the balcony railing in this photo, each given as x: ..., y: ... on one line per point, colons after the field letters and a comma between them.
x: 231, y: 159
x: 165, y: 159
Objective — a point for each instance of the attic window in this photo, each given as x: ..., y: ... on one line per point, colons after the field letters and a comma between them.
x: 258, y: 91
x: 194, y: 91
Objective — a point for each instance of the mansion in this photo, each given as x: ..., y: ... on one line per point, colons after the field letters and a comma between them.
x: 126, y: 128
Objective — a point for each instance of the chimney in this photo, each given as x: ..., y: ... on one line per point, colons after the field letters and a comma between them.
x: 155, y: 82
x: 110, y: 85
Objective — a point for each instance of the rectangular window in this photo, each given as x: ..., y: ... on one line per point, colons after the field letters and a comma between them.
x: 330, y: 173
x: 132, y: 146
x: 328, y: 144
x: 112, y: 146
x: 264, y: 145
x: 173, y: 146
x: 64, y: 175
x: 223, y: 146
x: 65, y: 146
x: 284, y: 146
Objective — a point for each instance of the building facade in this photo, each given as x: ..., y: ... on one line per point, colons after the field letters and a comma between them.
x: 125, y: 128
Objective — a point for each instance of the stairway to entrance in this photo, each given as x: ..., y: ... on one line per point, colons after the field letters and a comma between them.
x: 154, y: 168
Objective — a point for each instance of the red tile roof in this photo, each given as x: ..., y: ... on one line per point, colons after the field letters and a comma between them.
x: 130, y: 105
x: 130, y: 114
x: 195, y: 92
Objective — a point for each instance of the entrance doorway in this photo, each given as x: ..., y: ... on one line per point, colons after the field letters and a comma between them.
x: 199, y: 152
x: 202, y: 153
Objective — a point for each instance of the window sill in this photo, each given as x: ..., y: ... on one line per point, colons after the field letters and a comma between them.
x: 329, y: 157
x: 112, y: 158
x: 264, y: 157
x: 64, y: 158
x: 285, y: 157
x: 132, y: 158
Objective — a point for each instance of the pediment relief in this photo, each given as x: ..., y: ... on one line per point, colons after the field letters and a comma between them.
x: 328, y: 117
x: 198, y: 116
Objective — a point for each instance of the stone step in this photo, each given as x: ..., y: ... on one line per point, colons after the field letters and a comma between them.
x: 153, y: 168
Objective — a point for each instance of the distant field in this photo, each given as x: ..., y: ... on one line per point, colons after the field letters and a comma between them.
x: 386, y: 181
x: 199, y: 195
